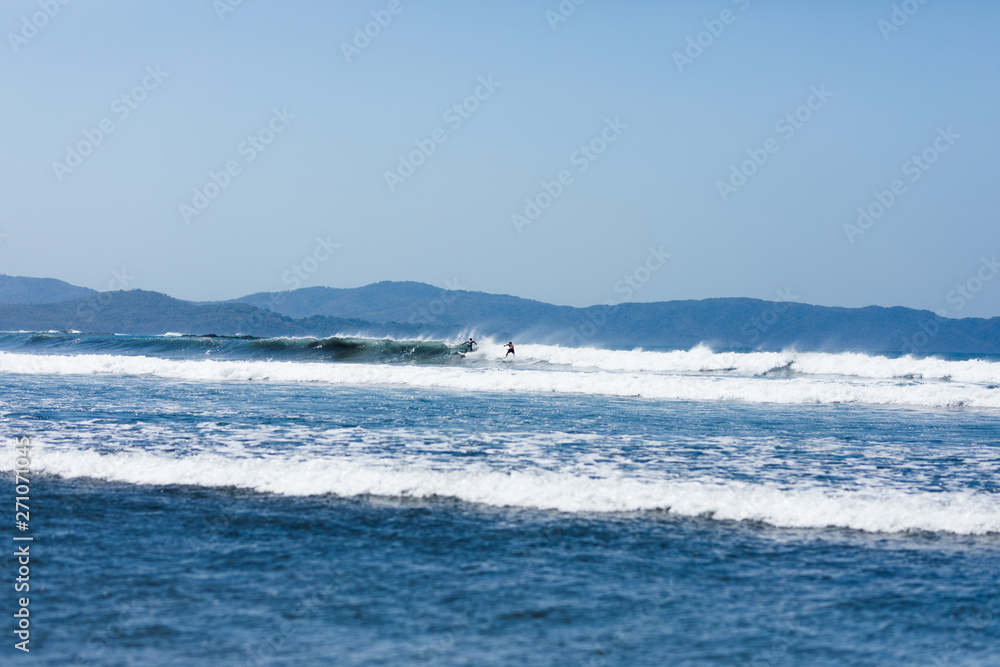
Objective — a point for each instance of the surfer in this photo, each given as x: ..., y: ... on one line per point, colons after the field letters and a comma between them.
x: 469, y: 344
x: 510, y: 349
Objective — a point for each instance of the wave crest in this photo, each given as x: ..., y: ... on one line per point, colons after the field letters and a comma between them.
x: 874, y: 510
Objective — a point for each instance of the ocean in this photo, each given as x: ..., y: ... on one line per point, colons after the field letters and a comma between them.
x: 348, y: 501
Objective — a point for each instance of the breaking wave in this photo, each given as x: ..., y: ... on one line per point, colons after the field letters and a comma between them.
x: 698, y: 374
x: 875, y: 509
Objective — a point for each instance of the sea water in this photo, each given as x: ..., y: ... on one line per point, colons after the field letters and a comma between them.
x: 350, y: 501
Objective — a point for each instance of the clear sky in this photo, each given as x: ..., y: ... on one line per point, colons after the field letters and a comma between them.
x: 622, y: 122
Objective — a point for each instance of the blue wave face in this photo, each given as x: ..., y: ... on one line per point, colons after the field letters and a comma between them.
x: 698, y: 374
x: 357, y: 350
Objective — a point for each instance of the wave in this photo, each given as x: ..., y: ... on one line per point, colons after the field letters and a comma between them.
x: 698, y: 374
x: 701, y: 359
x: 873, y: 510
x: 698, y: 360
x: 766, y: 389
x: 185, y: 346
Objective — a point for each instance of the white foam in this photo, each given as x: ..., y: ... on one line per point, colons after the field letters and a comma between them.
x: 703, y: 359
x: 875, y: 509
x: 788, y: 390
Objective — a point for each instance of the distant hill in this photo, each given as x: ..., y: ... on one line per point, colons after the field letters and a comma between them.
x: 20, y: 289
x: 410, y: 310
x: 421, y: 304
x: 766, y: 325
x: 142, y: 312
x: 732, y: 323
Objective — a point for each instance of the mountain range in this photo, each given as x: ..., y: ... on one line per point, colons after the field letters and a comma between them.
x: 410, y: 310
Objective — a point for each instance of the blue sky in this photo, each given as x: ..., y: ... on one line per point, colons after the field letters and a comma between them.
x: 646, y: 143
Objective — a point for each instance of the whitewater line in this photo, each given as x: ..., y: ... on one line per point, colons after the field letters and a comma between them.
x: 786, y: 390
x: 872, y: 509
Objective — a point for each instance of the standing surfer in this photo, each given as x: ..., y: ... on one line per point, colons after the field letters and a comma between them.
x: 510, y: 349
x: 469, y: 344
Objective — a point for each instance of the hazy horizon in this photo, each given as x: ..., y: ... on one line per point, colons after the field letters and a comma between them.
x: 783, y: 296
x: 549, y: 151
